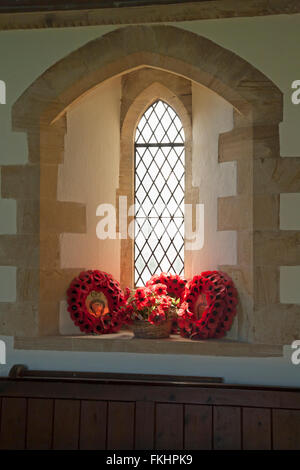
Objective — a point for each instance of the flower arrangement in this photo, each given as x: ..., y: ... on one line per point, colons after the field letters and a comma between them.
x: 149, y: 307
x: 175, y: 284
x: 149, y: 303
x: 202, y: 308
x: 175, y: 288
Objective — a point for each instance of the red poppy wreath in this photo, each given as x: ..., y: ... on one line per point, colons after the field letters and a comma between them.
x: 94, y: 298
x: 209, y: 306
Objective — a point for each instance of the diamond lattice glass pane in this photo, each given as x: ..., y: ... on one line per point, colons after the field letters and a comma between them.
x: 159, y: 246
x: 159, y: 193
x: 160, y: 124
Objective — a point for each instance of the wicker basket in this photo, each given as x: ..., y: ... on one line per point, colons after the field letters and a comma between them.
x: 146, y: 330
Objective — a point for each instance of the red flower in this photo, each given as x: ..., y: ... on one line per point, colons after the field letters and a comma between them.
x: 159, y: 289
x: 140, y: 293
x: 157, y: 317
x: 175, y: 284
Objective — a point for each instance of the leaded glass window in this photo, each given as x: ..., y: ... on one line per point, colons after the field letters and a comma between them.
x: 159, y: 193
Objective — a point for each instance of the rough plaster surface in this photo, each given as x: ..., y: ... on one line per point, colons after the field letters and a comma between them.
x: 89, y: 174
x: 290, y: 211
x: 8, y: 216
x: 290, y: 285
x: 8, y: 275
x: 212, y: 116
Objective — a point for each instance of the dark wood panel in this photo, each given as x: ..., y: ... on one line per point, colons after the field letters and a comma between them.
x: 145, y: 416
x: 93, y: 422
x: 13, y: 423
x: 169, y: 426
x: 66, y: 424
x: 198, y: 394
x: 144, y: 425
x: 256, y: 429
x: 120, y: 430
x: 227, y: 427
x: 198, y: 427
x: 39, y: 424
x: 286, y: 429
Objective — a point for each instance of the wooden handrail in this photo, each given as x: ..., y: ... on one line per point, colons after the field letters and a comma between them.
x: 20, y: 371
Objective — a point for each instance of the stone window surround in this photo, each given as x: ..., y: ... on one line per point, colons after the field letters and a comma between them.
x: 140, y: 89
x: 253, y: 143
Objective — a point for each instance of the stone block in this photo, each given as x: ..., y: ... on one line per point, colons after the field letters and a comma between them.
x: 266, y: 212
x: 54, y: 283
x: 19, y: 319
x: 266, y: 285
x: 280, y: 248
x: 49, y: 251
x: 250, y: 142
x: 28, y: 284
x: 48, y: 318
x: 245, y: 248
x: 277, y: 324
x: 48, y: 182
x: 28, y: 216
x: 19, y: 250
x: 20, y: 182
x: 273, y: 176
x: 62, y: 217
x: 234, y: 213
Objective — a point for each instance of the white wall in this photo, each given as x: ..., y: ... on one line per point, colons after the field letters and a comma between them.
x: 211, y: 116
x: 269, y: 43
x: 90, y: 175
x: 252, y: 371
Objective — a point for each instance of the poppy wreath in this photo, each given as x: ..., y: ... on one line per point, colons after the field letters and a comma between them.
x: 175, y: 288
x: 77, y: 294
x: 217, y: 318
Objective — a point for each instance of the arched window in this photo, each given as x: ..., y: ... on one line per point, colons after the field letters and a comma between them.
x: 159, y: 193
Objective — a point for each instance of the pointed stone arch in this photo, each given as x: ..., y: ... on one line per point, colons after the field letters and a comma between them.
x: 164, y: 47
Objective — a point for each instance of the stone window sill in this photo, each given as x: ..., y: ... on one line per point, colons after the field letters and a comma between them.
x: 124, y: 342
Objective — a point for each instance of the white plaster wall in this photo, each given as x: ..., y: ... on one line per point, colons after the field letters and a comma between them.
x: 251, y: 371
x: 8, y: 226
x: 8, y: 216
x: 290, y: 211
x: 290, y: 285
x: 8, y: 290
x: 90, y: 175
x: 290, y: 275
x: 211, y: 116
